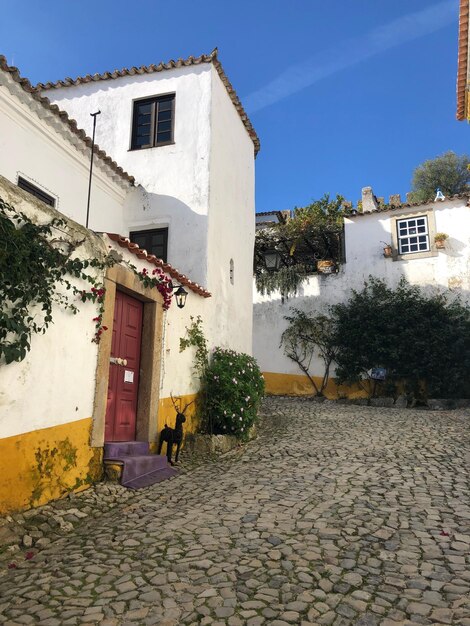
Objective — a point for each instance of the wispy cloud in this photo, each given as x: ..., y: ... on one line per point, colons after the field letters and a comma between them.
x: 352, y: 51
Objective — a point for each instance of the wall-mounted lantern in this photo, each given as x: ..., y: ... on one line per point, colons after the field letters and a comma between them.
x: 272, y: 260
x: 180, y: 296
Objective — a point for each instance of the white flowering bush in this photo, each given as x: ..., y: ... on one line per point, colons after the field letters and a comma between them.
x: 233, y: 386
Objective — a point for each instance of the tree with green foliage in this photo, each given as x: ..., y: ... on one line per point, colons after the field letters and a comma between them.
x: 421, y: 339
x: 448, y: 172
x: 312, y: 234
x: 306, y: 336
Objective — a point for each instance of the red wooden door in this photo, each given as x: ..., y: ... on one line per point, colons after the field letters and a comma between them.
x: 123, y: 384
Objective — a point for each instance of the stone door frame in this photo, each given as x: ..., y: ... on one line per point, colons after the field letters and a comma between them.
x: 123, y: 279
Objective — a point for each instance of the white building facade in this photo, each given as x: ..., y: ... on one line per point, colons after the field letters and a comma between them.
x: 198, y: 181
x: 366, y: 234
x: 199, y: 186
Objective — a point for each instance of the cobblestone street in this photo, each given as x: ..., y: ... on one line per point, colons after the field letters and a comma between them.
x: 335, y: 514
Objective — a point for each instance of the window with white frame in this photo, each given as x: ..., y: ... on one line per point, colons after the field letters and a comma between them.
x: 413, y: 235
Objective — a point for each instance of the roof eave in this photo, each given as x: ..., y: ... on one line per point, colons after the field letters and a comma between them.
x: 150, y: 69
x: 463, y: 65
x: 67, y: 123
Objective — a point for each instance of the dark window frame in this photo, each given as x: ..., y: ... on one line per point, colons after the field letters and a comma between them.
x: 149, y: 233
x: 154, y: 102
x: 37, y: 192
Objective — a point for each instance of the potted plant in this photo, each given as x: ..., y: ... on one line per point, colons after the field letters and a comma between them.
x: 388, y: 251
x: 440, y: 239
x: 327, y: 266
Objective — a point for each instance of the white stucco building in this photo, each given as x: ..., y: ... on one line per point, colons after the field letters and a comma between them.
x: 182, y: 131
x: 189, y: 203
x: 409, y: 230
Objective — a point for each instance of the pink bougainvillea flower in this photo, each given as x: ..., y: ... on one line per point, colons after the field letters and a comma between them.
x: 29, y: 555
x: 443, y: 533
x: 12, y: 566
x: 104, y: 327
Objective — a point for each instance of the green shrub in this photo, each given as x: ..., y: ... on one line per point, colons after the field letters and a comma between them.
x: 233, y: 387
x: 423, y: 340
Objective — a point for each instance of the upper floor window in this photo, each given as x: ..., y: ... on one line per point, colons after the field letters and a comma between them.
x: 413, y: 235
x: 35, y: 191
x: 154, y: 241
x: 153, y: 122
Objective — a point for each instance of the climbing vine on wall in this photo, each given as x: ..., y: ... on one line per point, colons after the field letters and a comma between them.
x: 39, y: 270
x: 311, y: 234
x: 36, y: 272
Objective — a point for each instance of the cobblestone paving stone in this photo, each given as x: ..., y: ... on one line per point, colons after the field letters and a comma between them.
x: 336, y: 514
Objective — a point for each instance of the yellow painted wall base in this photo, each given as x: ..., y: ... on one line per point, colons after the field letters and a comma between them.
x: 42, y: 465
x: 167, y: 415
x: 298, y: 385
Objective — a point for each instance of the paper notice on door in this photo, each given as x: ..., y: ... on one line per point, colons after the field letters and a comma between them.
x: 128, y: 376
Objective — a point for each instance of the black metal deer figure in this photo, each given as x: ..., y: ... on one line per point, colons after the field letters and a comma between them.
x: 174, y: 435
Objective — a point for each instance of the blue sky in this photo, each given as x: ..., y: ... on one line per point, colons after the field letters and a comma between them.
x: 343, y: 93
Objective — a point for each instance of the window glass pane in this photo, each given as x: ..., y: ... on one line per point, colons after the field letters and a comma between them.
x: 138, y: 239
x: 143, y: 130
x: 35, y: 191
x: 144, y: 108
x: 158, y: 239
x: 142, y: 141
x: 154, y: 241
x: 165, y: 136
x: 412, y: 235
x: 165, y: 105
x: 162, y: 126
x: 164, y: 115
x: 153, y: 122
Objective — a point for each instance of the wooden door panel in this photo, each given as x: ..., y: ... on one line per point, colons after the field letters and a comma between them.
x: 122, y: 390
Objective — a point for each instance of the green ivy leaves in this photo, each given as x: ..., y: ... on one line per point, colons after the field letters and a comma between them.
x: 34, y: 277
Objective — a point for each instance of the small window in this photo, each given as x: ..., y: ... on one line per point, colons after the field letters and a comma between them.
x: 35, y: 191
x: 413, y: 235
x: 154, y: 241
x: 232, y: 268
x: 153, y: 122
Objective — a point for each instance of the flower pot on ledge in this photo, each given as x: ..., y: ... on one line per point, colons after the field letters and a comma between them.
x: 440, y: 240
x: 326, y: 267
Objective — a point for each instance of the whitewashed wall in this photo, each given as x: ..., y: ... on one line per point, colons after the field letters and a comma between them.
x: 55, y: 383
x: 231, y: 223
x: 30, y: 147
x: 175, y: 177
x: 202, y: 187
x: 364, y: 234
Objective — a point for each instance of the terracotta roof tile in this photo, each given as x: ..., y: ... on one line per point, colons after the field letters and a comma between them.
x: 462, y: 67
x: 62, y: 115
x: 150, y: 69
x: 407, y: 205
x: 140, y: 253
